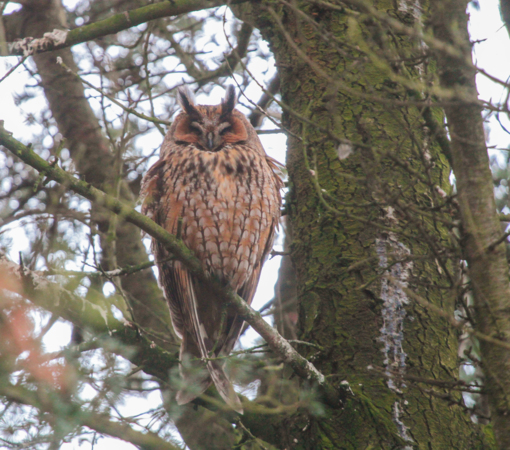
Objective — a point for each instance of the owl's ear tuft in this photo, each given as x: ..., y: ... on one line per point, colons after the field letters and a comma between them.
x: 229, y: 102
x: 187, y: 102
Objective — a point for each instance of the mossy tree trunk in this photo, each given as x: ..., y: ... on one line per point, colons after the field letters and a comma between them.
x: 371, y: 222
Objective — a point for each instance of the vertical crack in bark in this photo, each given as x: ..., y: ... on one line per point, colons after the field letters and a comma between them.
x: 393, y: 282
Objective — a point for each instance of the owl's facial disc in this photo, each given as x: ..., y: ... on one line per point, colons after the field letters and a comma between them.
x: 211, y: 136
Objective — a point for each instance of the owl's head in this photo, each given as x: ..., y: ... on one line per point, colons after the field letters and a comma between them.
x: 210, y: 128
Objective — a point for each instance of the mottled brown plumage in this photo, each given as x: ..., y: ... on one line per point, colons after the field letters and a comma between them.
x: 214, y: 176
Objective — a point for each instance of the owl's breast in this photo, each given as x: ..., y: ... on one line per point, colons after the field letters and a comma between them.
x: 228, y: 202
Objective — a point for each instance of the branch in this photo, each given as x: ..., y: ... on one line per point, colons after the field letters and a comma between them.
x: 94, y: 316
x: 504, y: 8
x: 202, y: 76
x: 277, y: 343
x: 100, y: 423
x: 256, y: 115
x: 482, y: 243
x: 58, y: 39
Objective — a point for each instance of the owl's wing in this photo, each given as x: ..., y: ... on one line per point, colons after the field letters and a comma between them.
x: 172, y: 280
x: 150, y: 191
x: 247, y: 290
x: 180, y: 292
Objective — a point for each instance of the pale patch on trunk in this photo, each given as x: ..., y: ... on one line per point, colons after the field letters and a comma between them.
x: 393, y: 282
x: 412, y: 7
x: 402, y: 428
x: 344, y: 151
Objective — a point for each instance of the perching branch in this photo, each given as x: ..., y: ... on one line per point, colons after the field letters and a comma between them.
x: 58, y: 39
x: 277, y: 343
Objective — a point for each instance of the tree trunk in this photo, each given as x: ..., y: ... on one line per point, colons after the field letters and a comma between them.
x: 370, y: 229
x: 485, y: 249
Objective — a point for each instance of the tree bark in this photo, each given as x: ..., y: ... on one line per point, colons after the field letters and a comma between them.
x: 361, y: 236
x: 505, y: 13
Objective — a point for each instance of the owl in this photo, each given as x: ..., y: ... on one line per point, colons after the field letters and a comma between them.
x: 214, y: 184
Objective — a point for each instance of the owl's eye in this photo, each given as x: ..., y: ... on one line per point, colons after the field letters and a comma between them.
x: 225, y: 127
x: 195, y: 126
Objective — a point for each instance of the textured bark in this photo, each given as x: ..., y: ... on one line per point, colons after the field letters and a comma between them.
x: 349, y: 295
x: 485, y: 251
x: 94, y: 160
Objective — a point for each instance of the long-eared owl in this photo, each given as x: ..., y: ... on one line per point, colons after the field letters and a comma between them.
x: 215, y: 183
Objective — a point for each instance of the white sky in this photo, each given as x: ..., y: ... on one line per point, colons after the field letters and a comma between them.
x: 491, y: 55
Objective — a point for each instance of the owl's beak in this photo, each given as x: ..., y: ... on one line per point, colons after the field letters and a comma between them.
x: 210, y: 141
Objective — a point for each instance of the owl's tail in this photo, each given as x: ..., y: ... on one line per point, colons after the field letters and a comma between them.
x: 224, y: 386
x: 197, y: 380
x: 195, y: 377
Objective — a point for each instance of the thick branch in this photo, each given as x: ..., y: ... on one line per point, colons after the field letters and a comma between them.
x: 504, y: 8
x: 58, y: 39
x: 483, y: 248
x: 277, y: 343
x: 265, y: 100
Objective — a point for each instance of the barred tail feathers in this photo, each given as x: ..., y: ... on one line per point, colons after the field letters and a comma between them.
x: 195, y: 377
x: 216, y: 373
x: 224, y: 386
